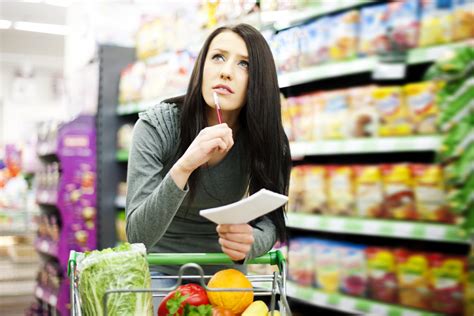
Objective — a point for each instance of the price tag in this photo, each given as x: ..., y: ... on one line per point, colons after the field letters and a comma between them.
x: 371, y: 227
x: 436, y: 232
x: 379, y: 310
x: 336, y: 224
x: 347, y: 303
x: 404, y: 229
x: 389, y: 71
x: 411, y: 313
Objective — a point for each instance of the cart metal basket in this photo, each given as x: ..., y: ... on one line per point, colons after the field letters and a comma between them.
x: 273, y: 285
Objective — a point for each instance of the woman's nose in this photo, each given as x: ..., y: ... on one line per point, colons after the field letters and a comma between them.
x: 226, y: 72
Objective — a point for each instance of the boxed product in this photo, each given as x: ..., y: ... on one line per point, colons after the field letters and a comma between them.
x: 296, y: 189
x: 326, y: 262
x: 150, y: 39
x: 353, y: 269
x: 288, y: 43
x: 340, y: 190
x: 363, y: 118
x: 336, y: 111
x: 422, y: 107
x: 413, y: 278
x: 155, y: 84
x: 305, y: 128
x: 369, y: 191
x: 398, y: 191
x: 132, y: 79
x: 315, y: 42
x: 430, y: 198
x: 343, y: 35
x: 404, y: 23
x: 447, y: 279
x: 299, y: 130
x: 373, y: 37
x: 382, y: 282
x: 300, y: 265
x: 463, y: 18
x: 392, y: 111
x: 286, y: 117
x: 436, y: 22
x: 315, y: 196
x: 319, y: 103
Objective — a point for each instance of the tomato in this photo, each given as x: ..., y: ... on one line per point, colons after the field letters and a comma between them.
x: 194, y: 295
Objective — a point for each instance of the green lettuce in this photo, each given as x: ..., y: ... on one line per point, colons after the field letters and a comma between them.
x: 122, y: 267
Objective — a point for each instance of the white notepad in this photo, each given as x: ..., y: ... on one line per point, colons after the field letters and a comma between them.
x: 246, y: 210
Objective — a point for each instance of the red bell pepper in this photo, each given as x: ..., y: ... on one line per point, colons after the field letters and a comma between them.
x: 174, y: 302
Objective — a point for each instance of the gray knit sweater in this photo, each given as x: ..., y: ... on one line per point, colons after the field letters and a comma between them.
x: 160, y: 215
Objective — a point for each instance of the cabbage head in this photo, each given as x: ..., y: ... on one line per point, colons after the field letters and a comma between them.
x: 122, y: 267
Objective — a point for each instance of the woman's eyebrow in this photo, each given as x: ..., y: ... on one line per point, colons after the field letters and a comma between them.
x: 223, y: 51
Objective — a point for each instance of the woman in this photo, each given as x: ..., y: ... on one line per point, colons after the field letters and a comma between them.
x: 182, y: 160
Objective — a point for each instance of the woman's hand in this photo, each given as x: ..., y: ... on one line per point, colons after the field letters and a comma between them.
x: 212, y: 139
x: 236, y: 240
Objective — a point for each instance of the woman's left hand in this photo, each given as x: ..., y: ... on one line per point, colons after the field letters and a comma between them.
x: 235, y: 239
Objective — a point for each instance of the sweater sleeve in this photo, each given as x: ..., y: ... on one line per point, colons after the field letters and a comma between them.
x: 264, y: 234
x: 152, y: 199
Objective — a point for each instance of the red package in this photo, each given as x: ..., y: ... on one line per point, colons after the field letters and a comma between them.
x: 382, y: 274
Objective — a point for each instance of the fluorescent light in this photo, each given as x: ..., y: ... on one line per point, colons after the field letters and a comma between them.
x: 41, y: 28
x: 58, y: 3
x: 5, y: 24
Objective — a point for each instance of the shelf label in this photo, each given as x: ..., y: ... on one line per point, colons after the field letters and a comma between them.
x: 389, y: 71
x: 435, y: 232
x: 377, y: 309
x: 404, y: 229
x: 347, y: 303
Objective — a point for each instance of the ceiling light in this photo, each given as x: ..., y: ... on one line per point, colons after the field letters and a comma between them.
x: 5, y: 24
x: 41, y: 28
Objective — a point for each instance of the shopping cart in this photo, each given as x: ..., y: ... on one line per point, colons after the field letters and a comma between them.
x: 272, y: 285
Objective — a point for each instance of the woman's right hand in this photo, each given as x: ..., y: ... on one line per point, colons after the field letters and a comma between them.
x: 211, y: 140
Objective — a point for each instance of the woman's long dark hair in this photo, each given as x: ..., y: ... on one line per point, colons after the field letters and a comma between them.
x: 268, y: 150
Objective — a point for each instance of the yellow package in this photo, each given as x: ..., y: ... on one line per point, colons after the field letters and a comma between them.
x: 318, y: 103
x: 369, y: 191
x: 315, y: 198
x: 398, y: 191
x: 423, y: 111
x: 306, y: 120
x: 413, y: 278
x: 296, y: 189
x: 436, y: 23
x: 150, y: 39
x: 392, y: 111
x: 341, y: 190
x: 463, y: 19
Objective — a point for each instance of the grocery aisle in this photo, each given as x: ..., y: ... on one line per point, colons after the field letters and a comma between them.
x: 377, y: 103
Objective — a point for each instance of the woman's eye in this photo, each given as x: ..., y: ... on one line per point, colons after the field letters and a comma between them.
x: 218, y: 57
x: 244, y: 64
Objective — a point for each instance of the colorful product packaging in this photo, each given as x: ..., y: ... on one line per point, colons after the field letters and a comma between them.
x: 307, y: 114
x: 150, y: 39
x: 341, y: 190
x: 296, y: 189
x: 436, y: 22
x: 393, y: 113
x: 463, y: 18
x: 420, y: 99
x: 314, y: 43
x: 315, y: 197
x: 382, y: 284
x: 430, y: 197
x: 300, y: 265
x: 447, y: 279
x: 398, y: 191
x: 336, y: 112
x: 404, y: 23
x: 318, y: 103
x: 343, y: 35
x: 326, y: 262
x: 131, y: 82
x: 369, y: 191
x: 413, y: 278
x: 373, y: 37
x: 363, y: 117
x: 286, y: 117
x: 353, y: 270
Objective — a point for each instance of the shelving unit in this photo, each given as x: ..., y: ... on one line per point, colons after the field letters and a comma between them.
x: 350, y: 304
x: 378, y: 227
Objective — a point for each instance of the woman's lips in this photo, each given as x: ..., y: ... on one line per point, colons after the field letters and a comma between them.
x: 222, y: 91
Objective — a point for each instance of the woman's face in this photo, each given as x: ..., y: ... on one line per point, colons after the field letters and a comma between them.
x: 226, y: 71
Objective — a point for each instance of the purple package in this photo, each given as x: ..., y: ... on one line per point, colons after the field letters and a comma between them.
x: 403, y: 23
x: 373, y: 36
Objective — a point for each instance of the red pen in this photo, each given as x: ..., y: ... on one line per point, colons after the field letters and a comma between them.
x: 218, y: 107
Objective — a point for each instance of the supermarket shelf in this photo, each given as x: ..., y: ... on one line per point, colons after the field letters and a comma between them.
x: 139, y: 106
x: 47, y: 198
x: 343, y: 68
x: 285, y: 18
x: 350, y: 304
x: 377, y: 227
x: 366, y: 145
x: 17, y: 288
x: 46, y: 296
x: 47, y: 247
x: 120, y: 201
x: 14, y: 222
x: 122, y: 155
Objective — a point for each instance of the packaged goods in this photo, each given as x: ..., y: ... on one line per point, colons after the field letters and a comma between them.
x: 336, y: 112
x: 353, y: 269
x: 341, y: 190
x: 363, y: 118
x: 326, y: 262
x: 301, y: 264
x: 314, y: 43
x: 369, y: 191
x: 373, y: 37
x: 297, y: 189
x: 436, y: 22
x: 392, y: 111
x: 132, y: 79
x: 463, y: 18
x: 381, y: 267
x: 403, y: 23
x: 398, y: 191
x: 423, y: 110
x: 315, y: 196
x: 343, y: 35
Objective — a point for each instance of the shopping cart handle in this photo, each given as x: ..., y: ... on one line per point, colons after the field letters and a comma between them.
x: 72, y: 260
x: 272, y: 258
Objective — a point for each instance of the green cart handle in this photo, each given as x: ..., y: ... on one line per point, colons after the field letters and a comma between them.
x: 273, y: 258
x: 72, y: 260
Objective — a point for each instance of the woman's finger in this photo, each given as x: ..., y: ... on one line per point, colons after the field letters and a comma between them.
x: 238, y: 237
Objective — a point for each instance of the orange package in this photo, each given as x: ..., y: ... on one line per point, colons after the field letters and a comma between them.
x: 369, y: 191
x: 398, y: 191
x: 341, y: 190
x: 430, y: 198
x: 413, y: 278
x: 422, y: 108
